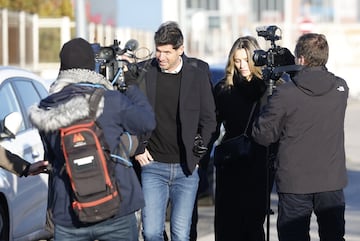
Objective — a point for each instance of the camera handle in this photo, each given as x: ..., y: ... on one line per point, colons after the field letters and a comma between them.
x: 270, y: 86
x: 119, y: 79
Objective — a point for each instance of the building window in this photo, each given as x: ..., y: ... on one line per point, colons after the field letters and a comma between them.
x: 318, y: 10
x: 203, y: 4
x: 268, y: 11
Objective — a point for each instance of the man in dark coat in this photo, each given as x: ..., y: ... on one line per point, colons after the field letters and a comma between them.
x: 306, y: 116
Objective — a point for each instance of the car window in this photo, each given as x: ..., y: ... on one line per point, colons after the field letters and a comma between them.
x: 9, y: 102
x: 27, y: 93
x: 42, y: 90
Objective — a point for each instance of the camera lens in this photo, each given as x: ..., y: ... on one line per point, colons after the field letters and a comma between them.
x: 260, y: 57
x: 106, y: 53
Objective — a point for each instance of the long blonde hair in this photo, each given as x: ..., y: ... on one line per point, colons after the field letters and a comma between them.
x: 249, y: 44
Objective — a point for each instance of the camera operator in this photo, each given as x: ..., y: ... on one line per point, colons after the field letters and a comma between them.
x: 306, y: 116
x: 118, y: 112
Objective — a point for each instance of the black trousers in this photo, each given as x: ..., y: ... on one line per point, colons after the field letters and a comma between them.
x: 240, y: 201
x: 295, y: 211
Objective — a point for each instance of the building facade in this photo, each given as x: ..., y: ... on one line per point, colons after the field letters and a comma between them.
x: 210, y: 27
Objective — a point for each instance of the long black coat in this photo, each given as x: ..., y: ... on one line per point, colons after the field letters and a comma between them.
x: 234, y: 104
x: 240, y: 199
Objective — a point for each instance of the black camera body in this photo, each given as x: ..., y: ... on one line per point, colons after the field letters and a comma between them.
x: 109, y: 63
x: 272, y: 57
x: 276, y: 60
x: 269, y: 32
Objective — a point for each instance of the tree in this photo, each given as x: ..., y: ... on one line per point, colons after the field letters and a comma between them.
x: 49, y: 38
x: 44, y: 8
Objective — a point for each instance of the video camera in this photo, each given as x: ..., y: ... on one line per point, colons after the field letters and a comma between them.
x: 277, y: 60
x: 110, y: 61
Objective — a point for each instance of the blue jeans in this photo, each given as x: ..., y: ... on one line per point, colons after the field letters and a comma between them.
x: 295, y: 213
x: 163, y: 183
x: 120, y: 228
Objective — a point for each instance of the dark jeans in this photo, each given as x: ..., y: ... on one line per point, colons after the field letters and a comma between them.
x: 295, y: 211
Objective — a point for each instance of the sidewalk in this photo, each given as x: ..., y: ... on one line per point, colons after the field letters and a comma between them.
x: 352, y: 191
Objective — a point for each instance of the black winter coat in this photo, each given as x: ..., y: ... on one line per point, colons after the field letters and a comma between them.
x: 307, y: 115
x: 234, y: 104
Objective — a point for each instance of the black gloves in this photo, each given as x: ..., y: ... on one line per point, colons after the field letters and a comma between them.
x: 284, y: 57
x: 131, y: 74
x: 199, y: 149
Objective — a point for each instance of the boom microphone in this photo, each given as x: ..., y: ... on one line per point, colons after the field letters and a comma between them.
x: 131, y: 45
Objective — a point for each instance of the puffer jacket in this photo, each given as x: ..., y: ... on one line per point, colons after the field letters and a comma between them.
x: 117, y: 112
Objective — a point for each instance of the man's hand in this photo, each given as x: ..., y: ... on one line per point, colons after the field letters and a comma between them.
x: 144, y: 158
x: 199, y: 149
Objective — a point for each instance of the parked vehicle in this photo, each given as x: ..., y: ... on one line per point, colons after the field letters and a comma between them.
x: 217, y: 73
x: 22, y: 200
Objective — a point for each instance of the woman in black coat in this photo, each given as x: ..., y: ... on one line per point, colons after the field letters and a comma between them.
x: 241, y: 197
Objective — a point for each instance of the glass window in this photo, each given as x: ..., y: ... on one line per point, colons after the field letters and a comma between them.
x: 28, y: 95
x: 9, y: 103
x: 319, y: 10
x: 41, y: 89
x: 272, y: 10
x: 203, y: 4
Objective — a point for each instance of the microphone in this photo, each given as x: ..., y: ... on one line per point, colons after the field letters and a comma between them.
x: 131, y: 45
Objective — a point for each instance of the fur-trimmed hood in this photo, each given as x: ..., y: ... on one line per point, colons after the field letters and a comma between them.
x: 66, y: 105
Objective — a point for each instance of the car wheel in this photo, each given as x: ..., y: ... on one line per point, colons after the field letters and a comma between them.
x: 4, y: 222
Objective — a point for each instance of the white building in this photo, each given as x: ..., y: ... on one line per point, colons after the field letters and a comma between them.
x: 209, y: 26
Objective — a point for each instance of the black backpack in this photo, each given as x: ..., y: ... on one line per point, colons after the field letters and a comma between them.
x: 90, y: 167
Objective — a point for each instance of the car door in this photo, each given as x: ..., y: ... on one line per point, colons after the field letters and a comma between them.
x: 26, y: 197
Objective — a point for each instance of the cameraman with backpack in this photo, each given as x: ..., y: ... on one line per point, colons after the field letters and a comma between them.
x: 117, y: 112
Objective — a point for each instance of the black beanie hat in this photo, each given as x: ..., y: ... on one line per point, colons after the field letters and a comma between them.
x: 77, y: 54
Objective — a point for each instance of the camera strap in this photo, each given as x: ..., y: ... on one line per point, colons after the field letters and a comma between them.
x: 250, y: 117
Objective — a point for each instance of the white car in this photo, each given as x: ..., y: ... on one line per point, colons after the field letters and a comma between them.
x: 22, y: 200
